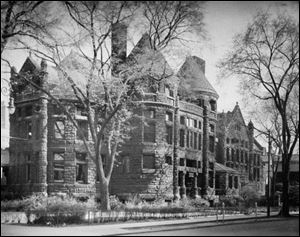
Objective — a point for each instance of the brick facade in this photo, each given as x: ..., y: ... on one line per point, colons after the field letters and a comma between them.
x: 238, y: 149
x: 171, y: 149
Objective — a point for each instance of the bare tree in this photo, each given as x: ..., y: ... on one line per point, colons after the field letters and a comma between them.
x: 266, y: 56
x: 106, y: 98
x: 171, y: 20
x: 26, y: 20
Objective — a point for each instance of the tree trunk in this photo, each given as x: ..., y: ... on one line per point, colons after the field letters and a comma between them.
x: 285, y: 182
x: 104, y: 194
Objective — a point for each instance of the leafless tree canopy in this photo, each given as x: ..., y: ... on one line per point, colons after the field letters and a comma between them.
x: 266, y: 56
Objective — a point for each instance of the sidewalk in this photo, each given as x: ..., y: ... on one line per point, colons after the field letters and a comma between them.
x: 125, y: 228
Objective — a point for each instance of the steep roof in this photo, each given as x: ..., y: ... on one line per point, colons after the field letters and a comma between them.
x: 226, y: 118
x: 74, y: 64
x: 257, y: 145
x: 192, y: 78
x: 149, y: 60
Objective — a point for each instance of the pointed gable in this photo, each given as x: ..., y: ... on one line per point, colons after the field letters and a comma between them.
x: 234, y: 123
x: 30, y: 65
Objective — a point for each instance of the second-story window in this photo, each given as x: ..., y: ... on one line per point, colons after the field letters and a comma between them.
x: 212, y: 128
x: 199, y: 125
x: 169, y: 134
x: 58, y: 166
x: 181, y: 137
x: 169, y: 116
x: 83, y: 126
x: 195, y: 123
x: 59, y: 129
x: 182, y: 120
x: 149, y: 131
x: 211, y: 143
x: 81, y: 168
x: 195, y: 140
x: 199, y: 141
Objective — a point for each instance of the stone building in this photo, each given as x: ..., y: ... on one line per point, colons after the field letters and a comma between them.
x: 239, y: 150
x: 171, y: 149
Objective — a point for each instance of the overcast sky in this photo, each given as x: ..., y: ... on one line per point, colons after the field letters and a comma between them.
x: 223, y: 20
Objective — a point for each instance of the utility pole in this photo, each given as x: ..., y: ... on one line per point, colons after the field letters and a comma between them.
x: 269, y: 184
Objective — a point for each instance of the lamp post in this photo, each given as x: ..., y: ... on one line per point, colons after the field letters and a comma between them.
x: 7, y: 91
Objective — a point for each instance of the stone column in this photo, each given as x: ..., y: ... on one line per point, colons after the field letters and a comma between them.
x: 226, y: 182
x: 183, y: 188
x: 176, y: 194
x: 196, y: 194
x: 205, y: 174
x: 41, y: 185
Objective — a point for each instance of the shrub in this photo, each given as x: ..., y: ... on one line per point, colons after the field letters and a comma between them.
x: 294, y: 195
x: 115, y: 203
x: 231, y: 201
x: 249, y: 195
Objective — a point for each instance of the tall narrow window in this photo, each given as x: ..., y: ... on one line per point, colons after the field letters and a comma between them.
x: 29, y: 129
x: 212, y: 128
x: 230, y: 181
x: 81, y: 168
x: 188, y: 139
x: 227, y: 154
x: 59, y: 129
x: 211, y: 143
x: 149, y: 131
x: 195, y: 140
x: 181, y: 137
x: 195, y: 123
x: 58, y: 166
x: 169, y: 134
x: 83, y: 126
x: 199, y: 141
x: 182, y: 120
x: 236, y: 185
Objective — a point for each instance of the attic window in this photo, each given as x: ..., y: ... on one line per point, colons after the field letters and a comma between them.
x: 169, y: 91
x: 212, y: 105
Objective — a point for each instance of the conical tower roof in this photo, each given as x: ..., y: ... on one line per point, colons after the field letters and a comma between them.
x: 192, y: 78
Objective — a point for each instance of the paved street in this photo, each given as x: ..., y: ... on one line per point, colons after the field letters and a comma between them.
x: 234, y: 224
x: 286, y: 227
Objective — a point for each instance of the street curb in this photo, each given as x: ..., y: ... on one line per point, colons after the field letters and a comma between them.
x: 199, y: 225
